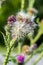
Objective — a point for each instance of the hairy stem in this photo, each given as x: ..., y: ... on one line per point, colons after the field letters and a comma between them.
x: 8, y: 52
x: 7, y: 56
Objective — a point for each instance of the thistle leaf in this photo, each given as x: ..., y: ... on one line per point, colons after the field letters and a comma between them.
x: 4, y: 38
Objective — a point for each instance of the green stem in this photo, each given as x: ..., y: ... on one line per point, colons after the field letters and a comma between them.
x: 37, y: 37
x: 7, y: 56
x: 31, y: 3
x: 22, y: 5
x: 9, y: 51
x: 19, y: 47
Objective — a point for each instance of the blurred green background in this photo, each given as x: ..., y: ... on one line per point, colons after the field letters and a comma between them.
x: 10, y: 7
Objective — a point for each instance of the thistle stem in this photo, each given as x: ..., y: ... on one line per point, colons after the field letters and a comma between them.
x: 31, y: 3
x: 19, y: 47
x: 22, y: 5
x: 7, y: 56
x: 8, y: 52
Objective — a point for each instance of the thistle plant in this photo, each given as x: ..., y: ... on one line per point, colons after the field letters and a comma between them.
x: 19, y: 26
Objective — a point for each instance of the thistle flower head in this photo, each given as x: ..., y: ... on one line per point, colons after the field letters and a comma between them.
x: 34, y: 46
x: 11, y: 19
x: 32, y: 10
x: 20, y: 58
x: 21, y: 16
x: 24, y: 48
x: 22, y: 25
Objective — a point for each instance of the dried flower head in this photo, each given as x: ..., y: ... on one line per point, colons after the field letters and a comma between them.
x: 24, y: 48
x: 32, y: 11
x: 21, y: 25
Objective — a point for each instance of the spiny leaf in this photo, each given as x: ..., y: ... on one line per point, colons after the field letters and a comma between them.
x: 4, y: 38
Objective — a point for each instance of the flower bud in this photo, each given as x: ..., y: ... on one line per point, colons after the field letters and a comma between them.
x: 11, y: 19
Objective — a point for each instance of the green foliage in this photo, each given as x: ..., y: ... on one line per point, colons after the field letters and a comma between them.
x: 12, y: 59
x: 6, y: 39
